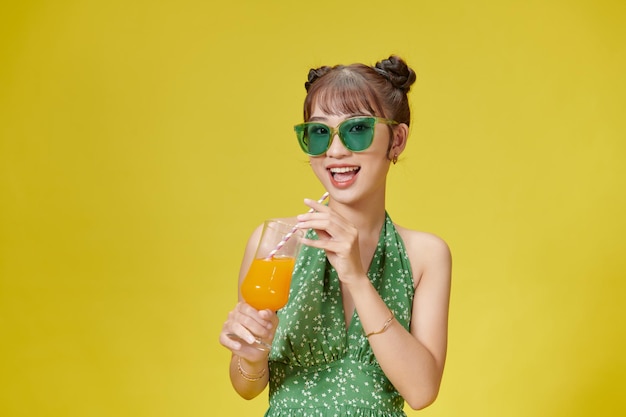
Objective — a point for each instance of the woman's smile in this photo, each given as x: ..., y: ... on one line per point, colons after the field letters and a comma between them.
x: 343, y: 176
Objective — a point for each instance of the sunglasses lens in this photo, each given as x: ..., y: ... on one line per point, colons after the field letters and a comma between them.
x: 358, y: 133
x: 313, y: 138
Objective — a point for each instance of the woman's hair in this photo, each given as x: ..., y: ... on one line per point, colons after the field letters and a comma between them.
x: 380, y: 90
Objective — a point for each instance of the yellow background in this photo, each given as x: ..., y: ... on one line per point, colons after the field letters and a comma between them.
x: 141, y: 141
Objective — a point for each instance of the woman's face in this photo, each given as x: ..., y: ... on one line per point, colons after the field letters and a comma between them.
x: 352, y: 176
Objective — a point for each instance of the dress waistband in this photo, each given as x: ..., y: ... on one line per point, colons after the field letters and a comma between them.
x: 342, y: 383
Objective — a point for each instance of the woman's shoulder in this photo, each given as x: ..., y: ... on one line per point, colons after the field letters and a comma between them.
x: 419, y: 240
x: 426, y: 251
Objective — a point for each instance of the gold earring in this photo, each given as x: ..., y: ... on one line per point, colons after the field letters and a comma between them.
x: 395, y: 158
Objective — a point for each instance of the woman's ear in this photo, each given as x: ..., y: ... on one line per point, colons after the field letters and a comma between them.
x: 400, y: 137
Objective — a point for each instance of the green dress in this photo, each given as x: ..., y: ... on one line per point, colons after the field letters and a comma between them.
x: 318, y: 368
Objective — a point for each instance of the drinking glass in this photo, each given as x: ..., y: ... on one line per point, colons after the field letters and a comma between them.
x: 266, y: 284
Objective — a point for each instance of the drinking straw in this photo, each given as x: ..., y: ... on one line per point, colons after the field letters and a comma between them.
x: 292, y: 231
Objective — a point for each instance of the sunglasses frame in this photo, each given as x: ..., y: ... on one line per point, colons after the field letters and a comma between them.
x: 301, y: 128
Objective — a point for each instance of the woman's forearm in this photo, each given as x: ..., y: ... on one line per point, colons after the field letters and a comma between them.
x: 408, y: 364
x: 248, y: 379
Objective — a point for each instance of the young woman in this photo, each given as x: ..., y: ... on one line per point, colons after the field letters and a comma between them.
x: 365, y: 328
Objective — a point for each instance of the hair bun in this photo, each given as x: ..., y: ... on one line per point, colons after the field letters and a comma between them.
x: 314, y: 74
x: 397, y: 72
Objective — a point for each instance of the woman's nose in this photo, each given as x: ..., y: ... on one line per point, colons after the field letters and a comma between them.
x: 337, y: 148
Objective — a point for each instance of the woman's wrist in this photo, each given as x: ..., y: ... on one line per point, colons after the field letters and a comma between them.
x: 251, y: 367
x: 248, y: 373
x: 359, y: 284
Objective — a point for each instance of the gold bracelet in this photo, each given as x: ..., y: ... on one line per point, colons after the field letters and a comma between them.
x: 385, y: 326
x: 248, y: 376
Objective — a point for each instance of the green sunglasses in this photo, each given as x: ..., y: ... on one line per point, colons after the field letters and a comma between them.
x: 356, y: 134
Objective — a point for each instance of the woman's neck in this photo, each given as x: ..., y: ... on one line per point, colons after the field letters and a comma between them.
x: 367, y: 217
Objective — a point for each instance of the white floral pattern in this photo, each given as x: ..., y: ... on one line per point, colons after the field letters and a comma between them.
x: 318, y: 368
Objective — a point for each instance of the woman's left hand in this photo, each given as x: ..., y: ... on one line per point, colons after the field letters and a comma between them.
x: 337, y: 236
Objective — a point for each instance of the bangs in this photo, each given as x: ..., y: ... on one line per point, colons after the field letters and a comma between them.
x: 343, y: 92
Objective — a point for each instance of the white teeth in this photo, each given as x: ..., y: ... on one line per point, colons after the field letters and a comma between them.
x: 343, y: 170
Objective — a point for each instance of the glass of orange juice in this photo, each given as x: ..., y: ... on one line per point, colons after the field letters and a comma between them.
x: 266, y: 284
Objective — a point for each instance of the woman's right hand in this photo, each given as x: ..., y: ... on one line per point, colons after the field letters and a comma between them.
x: 338, y: 237
x: 247, y: 324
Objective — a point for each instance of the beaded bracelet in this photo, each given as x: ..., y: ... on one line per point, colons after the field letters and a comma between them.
x: 385, y: 326
x: 248, y: 376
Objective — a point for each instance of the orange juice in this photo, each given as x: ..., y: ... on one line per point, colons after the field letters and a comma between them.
x: 267, y: 282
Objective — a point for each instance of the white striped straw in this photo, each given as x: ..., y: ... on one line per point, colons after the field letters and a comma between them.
x: 292, y: 231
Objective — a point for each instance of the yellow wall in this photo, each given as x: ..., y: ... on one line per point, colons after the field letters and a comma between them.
x: 140, y: 142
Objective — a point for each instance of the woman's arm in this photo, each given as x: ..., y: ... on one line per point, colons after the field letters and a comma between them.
x: 413, y: 361
x: 249, y: 371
